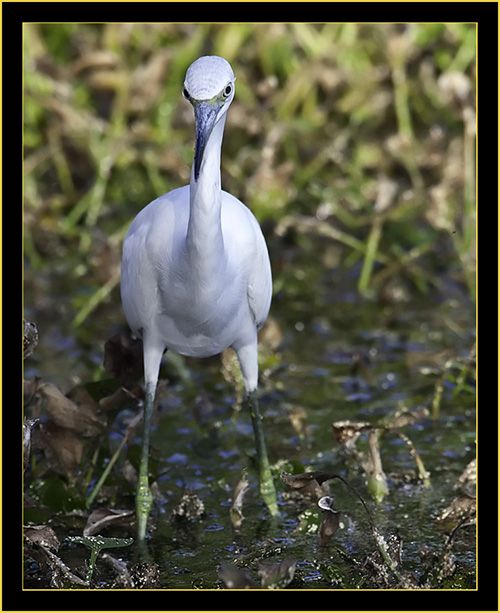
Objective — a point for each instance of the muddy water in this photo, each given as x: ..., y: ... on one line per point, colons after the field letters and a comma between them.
x: 341, y: 358
x: 316, y: 378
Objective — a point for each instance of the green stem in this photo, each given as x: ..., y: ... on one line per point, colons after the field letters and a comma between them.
x: 105, y: 473
x: 93, y: 558
x: 130, y: 429
x: 370, y: 254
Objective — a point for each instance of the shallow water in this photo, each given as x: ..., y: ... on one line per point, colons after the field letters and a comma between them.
x: 341, y: 357
x: 314, y: 375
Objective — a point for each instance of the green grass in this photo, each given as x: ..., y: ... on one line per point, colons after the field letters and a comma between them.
x: 369, y: 127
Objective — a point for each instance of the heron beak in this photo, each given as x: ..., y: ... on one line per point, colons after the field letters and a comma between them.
x: 205, y: 114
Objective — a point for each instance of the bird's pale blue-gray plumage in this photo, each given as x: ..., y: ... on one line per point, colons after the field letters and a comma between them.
x: 196, y: 276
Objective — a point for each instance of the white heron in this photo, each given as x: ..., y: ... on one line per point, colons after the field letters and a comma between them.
x: 196, y: 276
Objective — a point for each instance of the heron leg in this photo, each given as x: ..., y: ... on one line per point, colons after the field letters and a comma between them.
x: 267, y: 489
x: 144, y: 498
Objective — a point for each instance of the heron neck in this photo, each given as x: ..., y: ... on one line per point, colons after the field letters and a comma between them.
x: 204, y: 235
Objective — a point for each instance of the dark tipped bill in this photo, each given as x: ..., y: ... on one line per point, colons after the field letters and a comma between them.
x: 205, y: 114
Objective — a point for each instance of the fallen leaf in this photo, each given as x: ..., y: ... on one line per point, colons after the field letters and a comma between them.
x: 406, y: 417
x: 347, y: 433
x: 28, y: 426
x: 459, y: 508
x: 467, y: 480
x: 124, y: 579
x: 277, y: 575
x: 41, y: 545
x: 80, y: 418
x: 236, y: 512
x: 330, y: 520
x: 236, y: 578
x: 101, y: 518
x: 62, y: 448
x: 308, y: 483
x: 30, y: 338
x: 120, y: 398
x: 43, y: 536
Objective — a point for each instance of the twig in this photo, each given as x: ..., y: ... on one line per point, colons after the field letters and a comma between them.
x: 379, y: 539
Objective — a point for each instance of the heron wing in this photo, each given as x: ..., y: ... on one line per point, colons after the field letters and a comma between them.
x: 246, y: 235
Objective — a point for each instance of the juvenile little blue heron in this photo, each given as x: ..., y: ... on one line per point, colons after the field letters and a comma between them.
x: 196, y: 276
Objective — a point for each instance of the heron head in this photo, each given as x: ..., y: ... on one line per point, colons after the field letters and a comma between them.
x: 209, y: 87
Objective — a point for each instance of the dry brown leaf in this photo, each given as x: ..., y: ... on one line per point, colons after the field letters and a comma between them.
x: 308, y: 483
x: 277, y: 575
x: 460, y: 508
x: 101, y: 518
x: 329, y: 522
x: 67, y: 414
x: 43, y: 536
x: 28, y: 426
x: 236, y: 578
x: 236, y: 511
x: 63, y: 449
x: 467, y: 480
x: 347, y: 433
x: 30, y: 338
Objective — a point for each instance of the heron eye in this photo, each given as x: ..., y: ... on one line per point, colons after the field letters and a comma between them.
x: 185, y: 93
x: 227, y: 92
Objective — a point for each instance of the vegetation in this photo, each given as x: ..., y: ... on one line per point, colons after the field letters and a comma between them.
x: 369, y: 127
x: 354, y: 145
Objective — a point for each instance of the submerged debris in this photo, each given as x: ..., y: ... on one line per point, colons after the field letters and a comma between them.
x: 274, y: 575
x: 442, y: 569
x: 96, y: 544
x: 308, y: 484
x: 236, y: 511
x: 103, y: 518
x: 30, y: 338
x: 277, y: 575
x: 123, y: 577
x: 28, y: 426
x: 41, y: 545
x: 145, y: 575
x: 236, y: 578
x: 462, y: 509
x: 382, y: 564
x: 348, y: 432
x: 376, y: 481
x: 330, y: 520
x: 189, y: 507
x: 467, y: 480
